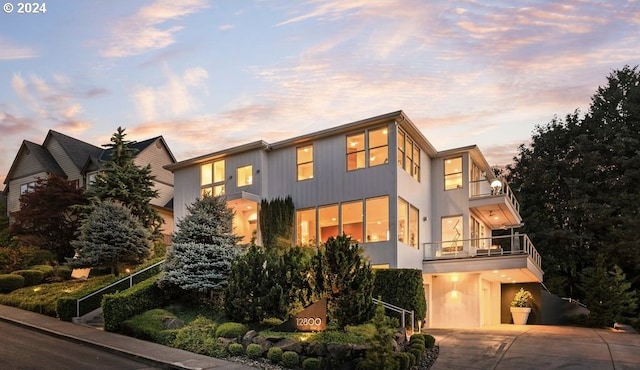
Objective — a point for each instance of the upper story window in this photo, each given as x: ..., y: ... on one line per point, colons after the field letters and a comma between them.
x: 373, y: 152
x: 91, y: 179
x: 304, y: 162
x: 212, y: 178
x: 244, y: 175
x: 408, y: 231
x: 408, y: 155
x: 453, y: 173
x: 28, y: 187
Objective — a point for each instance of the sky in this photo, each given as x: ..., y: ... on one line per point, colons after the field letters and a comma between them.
x: 209, y: 75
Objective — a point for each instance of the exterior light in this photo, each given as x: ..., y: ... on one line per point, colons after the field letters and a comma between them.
x: 496, y: 186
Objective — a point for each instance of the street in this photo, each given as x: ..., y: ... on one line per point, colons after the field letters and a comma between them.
x: 26, y: 349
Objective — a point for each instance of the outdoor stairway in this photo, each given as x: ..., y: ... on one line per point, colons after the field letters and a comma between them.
x: 93, y: 319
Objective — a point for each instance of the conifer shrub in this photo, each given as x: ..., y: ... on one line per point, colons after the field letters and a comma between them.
x: 430, y: 341
x: 10, y: 282
x: 47, y: 270
x: 236, y: 349
x: 311, y: 363
x: 254, y: 351
x: 274, y: 354
x: 31, y: 277
x: 290, y: 359
x: 417, y: 353
x: 408, y: 295
x: 403, y: 359
x: 412, y: 359
x: 231, y: 330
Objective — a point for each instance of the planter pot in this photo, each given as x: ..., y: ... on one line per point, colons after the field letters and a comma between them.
x: 520, y: 315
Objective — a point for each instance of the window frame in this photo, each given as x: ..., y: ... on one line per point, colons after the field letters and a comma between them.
x: 247, y: 179
x: 447, y: 175
x: 217, y: 186
x: 299, y: 164
x: 408, y: 154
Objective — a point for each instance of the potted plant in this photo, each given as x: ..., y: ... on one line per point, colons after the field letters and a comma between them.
x: 521, y: 307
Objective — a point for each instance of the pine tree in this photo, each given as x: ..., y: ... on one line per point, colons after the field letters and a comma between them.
x: 607, y: 294
x: 204, y: 247
x: 277, y: 222
x: 343, y: 275
x: 110, y: 237
x: 121, y: 180
x: 380, y: 353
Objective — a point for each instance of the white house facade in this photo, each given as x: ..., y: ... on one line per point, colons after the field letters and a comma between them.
x: 380, y: 181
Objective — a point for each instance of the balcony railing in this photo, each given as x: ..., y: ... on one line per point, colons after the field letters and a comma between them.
x: 483, y: 188
x: 495, y: 246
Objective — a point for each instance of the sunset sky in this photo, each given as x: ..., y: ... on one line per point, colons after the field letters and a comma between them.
x: 208, y: 75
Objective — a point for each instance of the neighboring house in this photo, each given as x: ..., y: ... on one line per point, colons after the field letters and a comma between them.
x: 408, y: 205
x: 79, y: 162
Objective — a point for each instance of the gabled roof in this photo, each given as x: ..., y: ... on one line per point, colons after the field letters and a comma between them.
x: 138, y: 147
x: 41, y: 154
x: 77, y: 150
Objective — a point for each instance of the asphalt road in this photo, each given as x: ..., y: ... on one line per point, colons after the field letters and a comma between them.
x: 26, y: 349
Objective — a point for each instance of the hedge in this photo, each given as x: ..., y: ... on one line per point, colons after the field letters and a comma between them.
x: 31, y: 277
x: 10, y: 282
x: 121, y: 306
x: 403, y: 288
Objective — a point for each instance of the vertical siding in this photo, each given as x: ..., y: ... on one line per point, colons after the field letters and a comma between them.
x: 186, y: 190
x: 63, y: 159
x: 450, y: 202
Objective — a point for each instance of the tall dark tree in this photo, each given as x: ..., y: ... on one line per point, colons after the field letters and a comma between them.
x: 123, y: 181
x: 577, y: 185
x: 47, y: 218
x: 277, y: 219
x: 4, y: 224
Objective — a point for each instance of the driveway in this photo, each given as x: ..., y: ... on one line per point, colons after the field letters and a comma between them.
x: 529, y: 347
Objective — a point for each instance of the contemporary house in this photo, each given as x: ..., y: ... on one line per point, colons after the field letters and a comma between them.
x: 408, y: 205
x: 79, y: 162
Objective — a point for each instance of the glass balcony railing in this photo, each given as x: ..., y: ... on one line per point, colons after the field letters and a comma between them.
x: 497, y: 187
x: 495, y: 246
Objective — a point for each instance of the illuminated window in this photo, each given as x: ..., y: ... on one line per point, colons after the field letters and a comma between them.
x: 451, y: 234
x: 352, y: 220
x: 377, y: 218
x: 306, y: 227
x: 328, y: 222
x: 244, y: 175
x: 212, y: 178
x: 304, y: 161
x: 414, y: 214
x: 355, y: 152
x: 408, y: 230
x: 453, y: 173
x: 408, y: 155
x: 378, y: 147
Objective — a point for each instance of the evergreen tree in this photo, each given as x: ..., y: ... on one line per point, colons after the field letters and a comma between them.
x: 277, y: 222
x: 121, y: 180
x: 199, y: 260
x: 110, y: 237
x: 608, y: 295
x: 380, y: 353
x: 48, y: 218
x: 343, y: 275
x: 4, y: 224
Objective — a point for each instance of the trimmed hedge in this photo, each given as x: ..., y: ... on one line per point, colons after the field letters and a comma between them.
x: 46, y: 269
x: 10, y: 282
x: 66, y: 308
x: 122, y: 306
x: 254, y: 351
x: 403, y: 288
x: 31, y: 277
x: 290, y: 359
x: 236, y: 349
x: 311, y: 363
x: 231, y: 330
x: 274, y: 354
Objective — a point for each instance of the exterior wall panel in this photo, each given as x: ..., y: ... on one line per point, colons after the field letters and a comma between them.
x: 64, y: 161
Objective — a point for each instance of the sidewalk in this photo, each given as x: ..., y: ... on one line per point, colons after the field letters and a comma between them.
x: 533, y: 347
x: 143, y: 351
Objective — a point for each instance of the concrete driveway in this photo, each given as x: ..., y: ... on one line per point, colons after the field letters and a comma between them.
x: 529, y: 347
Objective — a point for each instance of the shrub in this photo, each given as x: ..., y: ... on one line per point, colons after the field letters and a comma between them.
x: 417, y: 345
x: 10, y: 282
x: 66, y: 308
x: 236, y: 349
x: 430, y: 341
x: 63, y: 272
x: 31, y: 277
x: 290, y: 359
x: 417, y: 353
x: 409, y: 295
x: 122, y: 306
x: 311, y: 363
x: 403, y: 359
x: 231, y: 330
x: 194, y: 338
x: 254, y: 350
x: 150, y: 326
x: 274, y: 354
x: 412, y: 359
x: 47, y: 270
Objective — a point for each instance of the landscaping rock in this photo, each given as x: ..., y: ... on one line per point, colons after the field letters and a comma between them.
x: 263, y: 342
x: 172, y: 323
x: 248, y: 337
x: 288, y: 344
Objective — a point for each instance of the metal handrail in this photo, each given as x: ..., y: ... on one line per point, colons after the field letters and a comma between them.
x: 396, y: 309
x: 130, y: 278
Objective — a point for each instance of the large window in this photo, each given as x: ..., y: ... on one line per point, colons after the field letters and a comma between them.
x: 377, y: 216
x: 451, y: 234
x: 212, y: 178
x: 304, y: 162
x: 244, y: 175
x: 453, y: 173
x: 306, y: 227
x: 408, y: 230
x: 374, y: 152
x: 408, y: 155
x: 352, y: 220
x: 328, y: 222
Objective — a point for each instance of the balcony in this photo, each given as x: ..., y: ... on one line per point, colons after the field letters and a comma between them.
x: 494, y: 203
x: 513, y: 255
